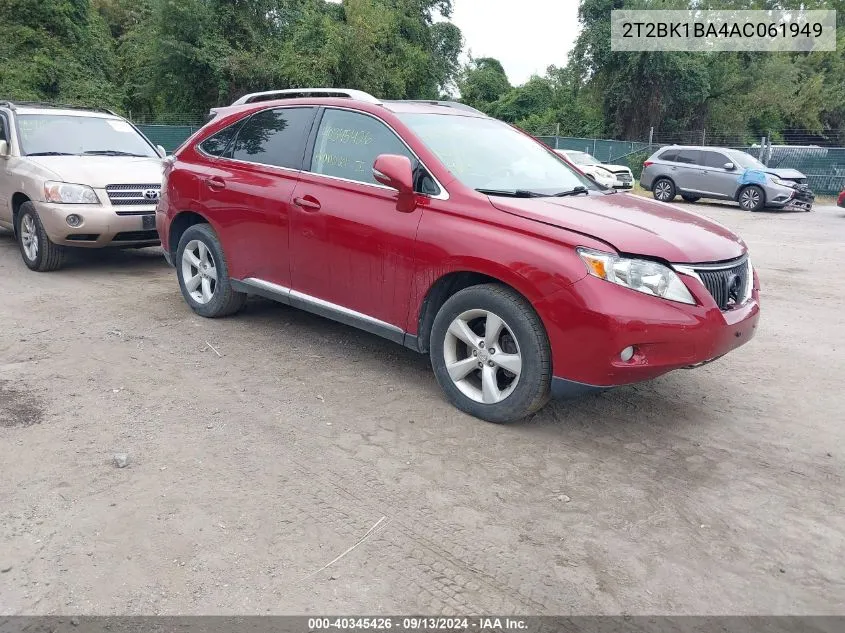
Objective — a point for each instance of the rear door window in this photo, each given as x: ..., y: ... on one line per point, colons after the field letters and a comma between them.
x: 274, y: 137
x: 688, y: 156
x: 714, y: 159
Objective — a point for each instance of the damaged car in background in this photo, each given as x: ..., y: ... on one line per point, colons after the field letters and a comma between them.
x: 724, y: 174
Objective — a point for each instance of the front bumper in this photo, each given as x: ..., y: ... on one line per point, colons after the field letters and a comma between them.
x: 591, y: 322
x: 101, y: 225
x: 788, y: 198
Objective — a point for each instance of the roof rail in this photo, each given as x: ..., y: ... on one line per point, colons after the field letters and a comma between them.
x: 446, y: 104
x: 293, y: 93
x: 12, y: 105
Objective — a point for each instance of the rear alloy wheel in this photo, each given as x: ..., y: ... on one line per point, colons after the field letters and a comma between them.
x: 752, y: 198
x: 664, y: 190
x: 37, y: 251
x: 490, y: 354
x: 203, y: 274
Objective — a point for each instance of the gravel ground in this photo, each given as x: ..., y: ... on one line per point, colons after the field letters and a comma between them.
x: 255, y: 465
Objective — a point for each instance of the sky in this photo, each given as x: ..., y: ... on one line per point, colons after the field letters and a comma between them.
x: 527, y: 36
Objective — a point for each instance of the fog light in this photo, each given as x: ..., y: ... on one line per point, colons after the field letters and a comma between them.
x: 627, y: 354
x: 73, y: 220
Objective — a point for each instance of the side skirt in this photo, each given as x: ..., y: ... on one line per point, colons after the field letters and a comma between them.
x: 320, y: 307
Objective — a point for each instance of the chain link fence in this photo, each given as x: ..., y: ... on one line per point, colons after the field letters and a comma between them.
x: 169, y: 130
x: 814, y: 155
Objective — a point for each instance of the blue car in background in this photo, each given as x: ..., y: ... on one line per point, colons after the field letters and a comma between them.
x: 724, y: 174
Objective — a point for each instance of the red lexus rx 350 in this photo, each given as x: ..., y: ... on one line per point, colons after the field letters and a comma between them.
x: 456, y: 235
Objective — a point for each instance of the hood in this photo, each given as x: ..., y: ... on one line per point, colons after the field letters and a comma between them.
x: 786, y: 174
x: 633, y: 225
x: 99, y: 171
x: 613, y: 168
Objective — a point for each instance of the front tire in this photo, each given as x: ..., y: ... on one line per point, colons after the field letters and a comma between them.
x: 752, y: 198
x: 664, y: 190
x: 691, y: 199
x: 204, y: 275
x: 490, y: 354
x: 38, y: 252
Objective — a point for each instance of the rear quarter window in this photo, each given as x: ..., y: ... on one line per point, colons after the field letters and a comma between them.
x: 669, y: 156
x: 220, y: 144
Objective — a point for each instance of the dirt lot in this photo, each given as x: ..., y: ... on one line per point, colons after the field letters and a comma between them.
x: 713, y: 491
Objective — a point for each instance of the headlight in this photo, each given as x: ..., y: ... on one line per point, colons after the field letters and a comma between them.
x: 777, y: 181
x: 69, y: 194
x: 641, y: 275
x: 749, y: 286
x: 604, y: 178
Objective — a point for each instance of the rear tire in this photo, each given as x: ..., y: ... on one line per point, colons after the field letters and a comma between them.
x: 663, y: 190
x: 752, y: 198
x: 38, y: 252
x: 691, y: 199
x: 479, y: 335
x: 203, y: 274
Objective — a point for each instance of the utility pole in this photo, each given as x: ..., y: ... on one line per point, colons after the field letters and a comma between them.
x: 650, y: 137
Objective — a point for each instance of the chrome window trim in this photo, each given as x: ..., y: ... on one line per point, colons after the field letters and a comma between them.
x: 444, y: 193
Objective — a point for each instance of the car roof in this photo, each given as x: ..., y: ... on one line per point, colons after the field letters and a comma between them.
x: 64, y: 112
x: 708, y: 148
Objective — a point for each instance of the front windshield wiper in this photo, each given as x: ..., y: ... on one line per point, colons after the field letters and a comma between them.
x: 511, y: 193
x: 571, y: 192
x: 110, y: 152
x: 50, y: 154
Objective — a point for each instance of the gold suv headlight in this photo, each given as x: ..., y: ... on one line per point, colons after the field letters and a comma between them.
x: 67, y: 193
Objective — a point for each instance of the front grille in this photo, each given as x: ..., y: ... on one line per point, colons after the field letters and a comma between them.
x: 136, y: 236
x: 624, y: 176
x: 133, y: 196
x: 727, y: 285
x: 804, y: 193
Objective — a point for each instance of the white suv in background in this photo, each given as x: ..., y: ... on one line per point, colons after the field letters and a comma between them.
x: 612, y: 176
x: 72, y: 177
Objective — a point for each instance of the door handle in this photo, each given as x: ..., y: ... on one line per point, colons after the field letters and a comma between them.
x: 307, y: 203
x: 215, y: 183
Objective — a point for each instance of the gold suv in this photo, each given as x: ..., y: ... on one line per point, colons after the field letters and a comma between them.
x: 72, y: 177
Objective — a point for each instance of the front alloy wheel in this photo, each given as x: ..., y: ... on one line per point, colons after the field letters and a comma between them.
x: 37, y: 251
x: 490, y: 353
x: 482, y: 356
x: 29, y: 237
x: 751, y: 198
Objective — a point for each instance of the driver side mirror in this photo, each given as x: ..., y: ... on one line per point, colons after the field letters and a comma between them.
x: 395, y: 171
x: 161, y: 151
x: 729, y: 166
x: 4, y: 149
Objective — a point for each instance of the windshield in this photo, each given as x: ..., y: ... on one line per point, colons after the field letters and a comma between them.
x: 582, y: 158
x: 52, y: 134
x: 488, y: 154
x: 746, y: 161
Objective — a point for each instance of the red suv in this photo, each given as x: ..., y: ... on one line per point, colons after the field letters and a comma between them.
x: 437, y: 227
